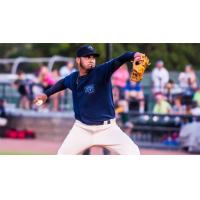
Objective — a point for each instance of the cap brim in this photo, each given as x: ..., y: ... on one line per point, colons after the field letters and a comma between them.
x: 91, y: 54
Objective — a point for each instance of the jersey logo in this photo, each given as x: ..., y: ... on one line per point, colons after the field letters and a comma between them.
x: 89, y: 89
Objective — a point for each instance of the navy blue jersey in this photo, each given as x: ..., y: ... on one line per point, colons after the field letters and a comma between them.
x: 92, y: 93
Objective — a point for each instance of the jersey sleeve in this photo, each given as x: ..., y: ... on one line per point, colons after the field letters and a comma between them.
x: 59, y: 86
x: 108, y: 68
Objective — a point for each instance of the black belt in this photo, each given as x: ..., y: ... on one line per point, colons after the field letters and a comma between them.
x: 106, y: 122
x: 99, y: 123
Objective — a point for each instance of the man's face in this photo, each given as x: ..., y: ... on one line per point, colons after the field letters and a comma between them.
x: 159, y: 97
x: 87, y: 63
x: 188, y: 68
x: 159, y: 64
x: 70, y: 65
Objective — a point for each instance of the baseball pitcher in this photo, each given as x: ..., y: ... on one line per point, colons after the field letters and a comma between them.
x: 91, y: 88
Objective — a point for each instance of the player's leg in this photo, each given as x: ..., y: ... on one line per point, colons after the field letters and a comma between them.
x: 76, y: 141
x: 116, y: 140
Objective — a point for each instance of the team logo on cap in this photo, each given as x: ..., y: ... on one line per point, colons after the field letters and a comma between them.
x: 90, y: 48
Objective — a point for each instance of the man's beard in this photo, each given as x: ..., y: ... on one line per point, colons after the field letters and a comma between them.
x: 81, y: 65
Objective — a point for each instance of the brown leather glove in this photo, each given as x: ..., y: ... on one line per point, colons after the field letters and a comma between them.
x: 139, y: 68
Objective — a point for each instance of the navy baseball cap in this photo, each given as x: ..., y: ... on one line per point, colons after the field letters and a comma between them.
x: 86, y: 50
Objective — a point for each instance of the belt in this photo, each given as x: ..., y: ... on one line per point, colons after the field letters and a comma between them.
x: 110, y: 121
x: 106, y: 122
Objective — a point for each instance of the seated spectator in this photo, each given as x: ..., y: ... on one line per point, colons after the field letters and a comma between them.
x: 188, y: 79
x: 22, y: 87
x: 178, y: 108
x: 171, y: 89
x: 46, y: 80
x: 161, y: 106
x: 121, y: 105
x: 160, y: 76
x: 128, y: 128
x: 67, y: 69
x: 64, y: 71
x: 134, y: 91
x: 195, y: 110
x: 45, y: 77
x: 190, y: 135
x: 55, y: 97
x: 3, y: 120
x: 2, y: 109
x: 196, y: 96
x: 119, y: 79
x: 188, y: 109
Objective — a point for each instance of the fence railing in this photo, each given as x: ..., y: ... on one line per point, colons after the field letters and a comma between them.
x: 12, y: 97
x: 15, y: 62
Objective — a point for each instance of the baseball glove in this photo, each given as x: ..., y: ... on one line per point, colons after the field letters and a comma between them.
x: 139, y: 68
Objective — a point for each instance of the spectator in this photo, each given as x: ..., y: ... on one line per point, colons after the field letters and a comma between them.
x: 45, y: 77
x: 2, y: 109
x: 46, y: 80
x: 161, y: 106
x: 55, y: 74
x: 67, y: 69
x: 190, y: 136
x: 160, y: 76
x: 56, y: 77
x: 188, y: 79
x: 133, y: 91
x: 119, y: 79
x: 188, y: 109
x: 121, y: 105
x: 128, y: 128
x: 178, y: 108
x: 195, y: 110
x: 196, y: 96
x: 171, y: 89
x: 3, y: 120
x: 23, y: 88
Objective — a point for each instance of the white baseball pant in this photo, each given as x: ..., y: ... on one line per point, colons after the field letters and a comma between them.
x: 110, y: 136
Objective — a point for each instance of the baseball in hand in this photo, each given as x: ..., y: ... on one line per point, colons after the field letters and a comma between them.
x: 39, y: 102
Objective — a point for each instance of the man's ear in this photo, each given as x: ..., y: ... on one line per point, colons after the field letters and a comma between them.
x: 78, y: 61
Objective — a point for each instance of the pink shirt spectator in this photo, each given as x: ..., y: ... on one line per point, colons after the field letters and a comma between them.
x: 120, y: 77
x: 48, y: 79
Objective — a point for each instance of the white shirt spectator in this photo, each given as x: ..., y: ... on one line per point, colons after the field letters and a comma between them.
x: 190, y: 136
x: 183, y: 80
x: 160, y: 76
x: 188, y: 79
x: 196, y: 111
x: 67, y: 69
x: 64, y: 71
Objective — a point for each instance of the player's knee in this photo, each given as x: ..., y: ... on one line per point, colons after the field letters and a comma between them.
x: 134, y: 150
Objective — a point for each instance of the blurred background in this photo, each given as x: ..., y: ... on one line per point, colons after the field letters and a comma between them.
x: 161, y: 113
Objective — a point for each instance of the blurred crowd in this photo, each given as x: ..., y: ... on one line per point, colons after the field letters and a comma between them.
x: 174, y: 97
x: 170, y: 97
x: 42, y: 80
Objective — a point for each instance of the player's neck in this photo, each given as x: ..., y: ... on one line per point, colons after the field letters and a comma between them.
x: 83, y: 72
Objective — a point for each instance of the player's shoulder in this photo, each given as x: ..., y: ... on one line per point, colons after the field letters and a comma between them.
x: 72, y: 75
x: 101, y: 67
